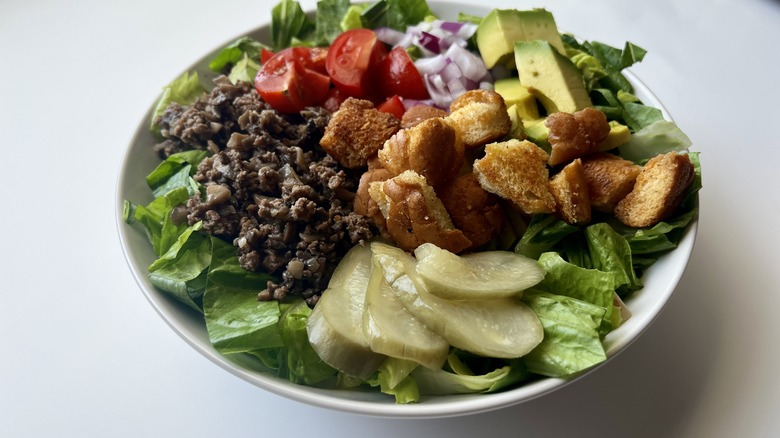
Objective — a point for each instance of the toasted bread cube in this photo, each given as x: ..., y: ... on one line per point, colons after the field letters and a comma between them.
x: 432, y: 148
x: 473, y: 210
x: 570, y: 190
x: 609, y: 178
x: 415, y: 215
x: 356, y: 132
x: 364, y: 204
x: 480, y: 116
x: 575, y: 135
x: 516, y: 170
x: 416, y: 114
x: 658, y: 191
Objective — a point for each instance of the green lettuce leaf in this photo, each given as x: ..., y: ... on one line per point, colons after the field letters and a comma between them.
x: 458, y: 378
x: 183, y: 90
x: 589, y: 285
x: 288, y: 24
x: 543, y: 233
x: 302, y: 364
x: 181, y: 271
x: 634, y: 114
x: 173, y: 164
x: 572, y: 341
x: 330, y: 14
x: 244, y: 70
x: 393, y: 378
x: 396, y: 14
x: 658, y: 137
x: 242, y: 48
x: 235, y: 320
x: 156, y: 219
x: 610, y: 252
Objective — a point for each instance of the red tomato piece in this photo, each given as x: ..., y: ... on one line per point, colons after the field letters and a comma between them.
x: 394, y: 106
x: 352, y: 62
x: 333, y: 100
x: 286, y: 84
x: 399, y: 76
x: 315, y: 58
x: 265, y: 55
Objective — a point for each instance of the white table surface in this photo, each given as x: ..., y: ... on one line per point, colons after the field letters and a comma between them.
x: 83, y: 354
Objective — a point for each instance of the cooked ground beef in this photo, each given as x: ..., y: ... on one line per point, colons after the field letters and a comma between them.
x: 270, y: 189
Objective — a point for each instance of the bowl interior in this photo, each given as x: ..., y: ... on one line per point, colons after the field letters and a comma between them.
x: 660, y: 281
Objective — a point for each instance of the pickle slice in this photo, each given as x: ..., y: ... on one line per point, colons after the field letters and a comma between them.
x: 393, y: 331
x: 335, y: 326
x: 501, y: 328
x: 478, y: 276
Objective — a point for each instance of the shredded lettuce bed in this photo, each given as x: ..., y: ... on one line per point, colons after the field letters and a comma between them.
x: 586, y: 267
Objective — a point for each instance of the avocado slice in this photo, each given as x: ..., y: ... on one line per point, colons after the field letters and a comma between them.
x: 515, y: 93
x: 501, y: 28
x: 536, y: 132
x: 551, y: 77
x: 619, y: 134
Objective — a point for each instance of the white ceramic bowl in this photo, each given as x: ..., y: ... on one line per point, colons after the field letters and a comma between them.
x: 660, y: 281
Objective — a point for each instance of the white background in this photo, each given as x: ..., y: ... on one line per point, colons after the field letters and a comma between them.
x: 83, y: 354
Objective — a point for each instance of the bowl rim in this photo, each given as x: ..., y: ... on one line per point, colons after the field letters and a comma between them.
x: 431, y: 407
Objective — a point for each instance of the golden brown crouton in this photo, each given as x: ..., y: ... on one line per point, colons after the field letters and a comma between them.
x: 432, y: 148
x: 658, y: 191
x: 473, y: 210
x: 609, y: 179
x: 575, y: 135
x: 570, y: 190
x: 516, y: 170
x: 364, y: 204
x: 415, y: 215
x: 416, y: 114
x: 356, y: 132
x: 480, y: 116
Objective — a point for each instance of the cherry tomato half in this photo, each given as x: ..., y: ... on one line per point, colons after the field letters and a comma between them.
x: 334, y: 99
x: 352, y: 62
x: 265, y: 55
x: 288, y: 85
x: 399, y: 76
x: 394, y: 106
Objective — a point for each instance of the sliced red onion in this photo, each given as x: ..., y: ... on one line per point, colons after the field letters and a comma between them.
x: 451, y: 26
x: 450, y: 72
x: 432, y: 65
x: 389, y: 36
x: 408, y: 103
x: 467, y: 30
x: 456, y: 88
x: 430, y: 42
x: 472, y: 66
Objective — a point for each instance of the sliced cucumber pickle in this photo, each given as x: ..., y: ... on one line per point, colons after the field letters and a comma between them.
x: 393, y: 331
x: 335, y: 326
x: 478, y: 276
x: 501, y: 327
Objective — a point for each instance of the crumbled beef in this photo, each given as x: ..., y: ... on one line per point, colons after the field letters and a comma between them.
x: 269, y: 188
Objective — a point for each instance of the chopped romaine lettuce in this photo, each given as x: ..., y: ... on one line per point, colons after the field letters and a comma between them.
x: 235, y: 52
x: 183, y: 90
x: 235, y: 320
x: 590, y: 285
x: 610, y: 252
x: 572, y: 341
x: 658, y: 137
x: 330, y: 14
x: 300, y: 363
x: 180, y: 271
x: 289, y: 23
x: 393, y: 378
x: 458, y: 378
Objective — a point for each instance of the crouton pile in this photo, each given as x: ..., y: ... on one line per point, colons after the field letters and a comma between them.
x: 446, y: 177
